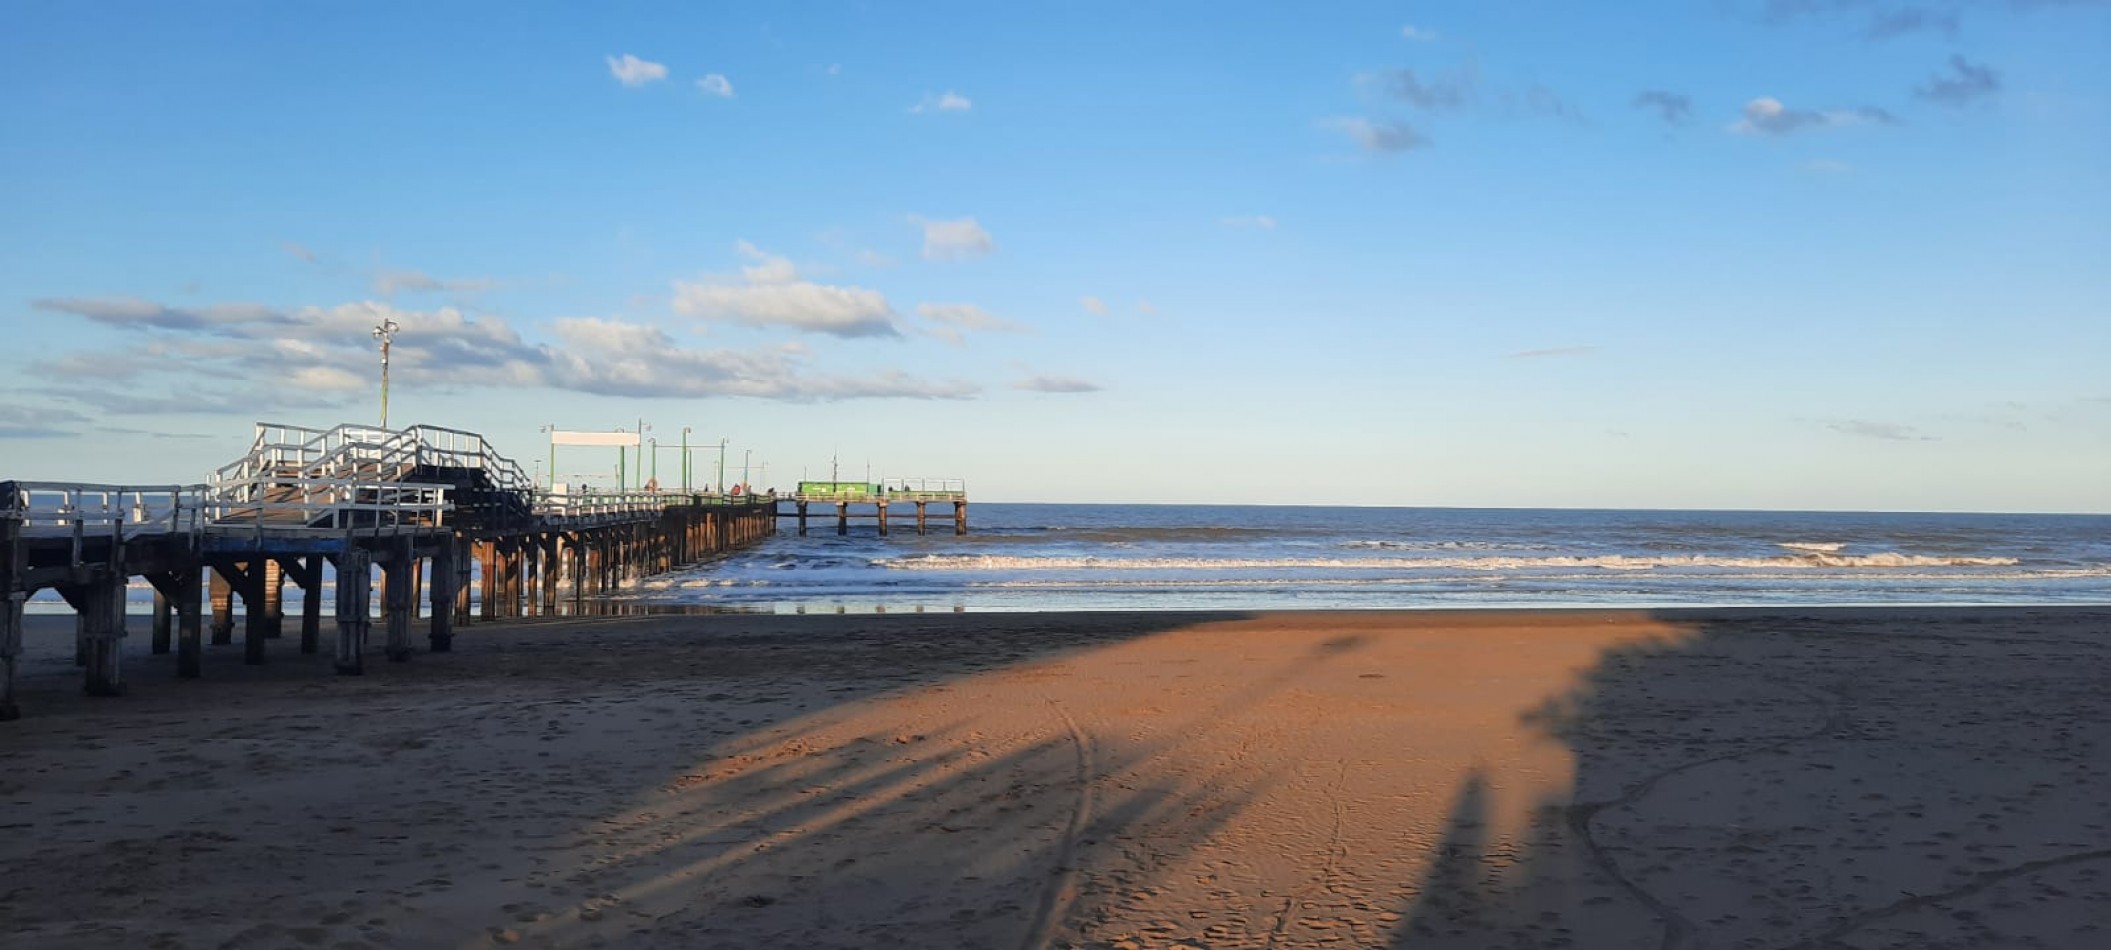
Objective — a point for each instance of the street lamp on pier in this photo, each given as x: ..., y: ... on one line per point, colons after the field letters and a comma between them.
x: 385, y: 332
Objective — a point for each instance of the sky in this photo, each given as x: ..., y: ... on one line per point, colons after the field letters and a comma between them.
x: 1788, y: 254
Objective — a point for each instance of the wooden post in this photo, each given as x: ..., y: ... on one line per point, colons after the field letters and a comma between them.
x: 256, y: 621
x: 274, y: 590
x: 960, y: 517
x: 12, y: 558
x: 310, y: 577
x: 161, y: 621
x: 417, y: 585
x: 464, y: 559
x: 401, y: 598
x: 10, y: 637
x: 439, y: 634
x: 802, y: 519
x: 190, y: 620
x: 920, y: 517
x: 883, y: 519
x: 354, y: 581
x: 223, y: 607
x: 842, y: 517
x: 487, y: 552
x: 103, y: 625
x: 552, y: 567
x: 573, y: 547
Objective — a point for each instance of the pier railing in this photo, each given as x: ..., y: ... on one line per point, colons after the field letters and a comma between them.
x: 593, y: 507
x: 301, y: 504
x: 367, y: 451
x: 48, y: 509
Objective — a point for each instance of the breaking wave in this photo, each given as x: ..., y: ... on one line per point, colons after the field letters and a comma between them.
x: 1610, y: 562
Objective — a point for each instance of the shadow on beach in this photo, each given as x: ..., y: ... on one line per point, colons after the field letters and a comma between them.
x: 1819, y: 779
x: 1863, y: 778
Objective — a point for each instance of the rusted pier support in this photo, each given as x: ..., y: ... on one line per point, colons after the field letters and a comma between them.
x: 883, y: 519
x: 487, y: 579
x: 273, y: 580
x: 920, y: 517
x: 960, y: 517
x: 223, y: 610
x: 354, y: 588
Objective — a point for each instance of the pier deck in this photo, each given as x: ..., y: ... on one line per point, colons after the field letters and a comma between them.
x: 387, y: 511
x: 880, y: 497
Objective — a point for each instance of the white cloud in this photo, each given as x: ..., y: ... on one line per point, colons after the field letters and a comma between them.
x: 632, y: 71
x: 957, y: 317
x: 258, y: 358
x: 1768, y: 116
x: 954, y: 240
x: 770, y: 293
x: 948, y: 101
x: 1093, y: 305
x: 716, y: 85
x: 768, y: 268
x: 390, y: 282
x: 1381, y: 137
x: 1553, y: 352
x: 1413, y: 32
x: 1258, y: 222
x: 327, y: 379
x: 1056, y: 384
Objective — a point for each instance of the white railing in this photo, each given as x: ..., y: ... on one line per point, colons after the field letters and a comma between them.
x: 295, y: 504
x: 596, y: 506
x: 63, y: 508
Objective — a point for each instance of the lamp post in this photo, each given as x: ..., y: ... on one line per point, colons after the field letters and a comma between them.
x: 622, y: 459
x: 385, y: 331
x: 721, y: 466
x: 552, y: 430
x: 745, y: 456
x: 685, y: 459
x: 655, y: 440
x: 642, y: 429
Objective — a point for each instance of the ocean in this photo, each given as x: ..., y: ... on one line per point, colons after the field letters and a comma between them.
x: 1021, y: 557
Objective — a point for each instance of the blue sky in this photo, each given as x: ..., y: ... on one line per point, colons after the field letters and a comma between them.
x: 1768, y: 254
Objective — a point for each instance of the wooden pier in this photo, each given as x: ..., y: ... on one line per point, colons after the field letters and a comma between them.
x: 388, y: 510
x: 879, y: 498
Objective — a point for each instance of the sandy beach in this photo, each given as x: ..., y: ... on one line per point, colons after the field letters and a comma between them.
x: 1787, y: 778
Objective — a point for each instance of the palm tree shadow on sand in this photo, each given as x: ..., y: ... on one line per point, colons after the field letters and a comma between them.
x: 1768, y: 779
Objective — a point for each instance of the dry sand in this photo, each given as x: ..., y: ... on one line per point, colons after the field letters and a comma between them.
x: 1808, y: 778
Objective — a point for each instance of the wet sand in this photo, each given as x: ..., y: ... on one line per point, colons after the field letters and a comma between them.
x: 1800, y: 778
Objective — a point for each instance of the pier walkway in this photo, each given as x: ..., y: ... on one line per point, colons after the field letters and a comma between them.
x: 386, y: 511
x: 880, y: 497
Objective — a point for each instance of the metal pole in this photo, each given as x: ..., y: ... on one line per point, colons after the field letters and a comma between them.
x: 385, y: 331
x: 721, y: 464
x: 655, y: 459
x: 685, y: 459
x: 745, y: 456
